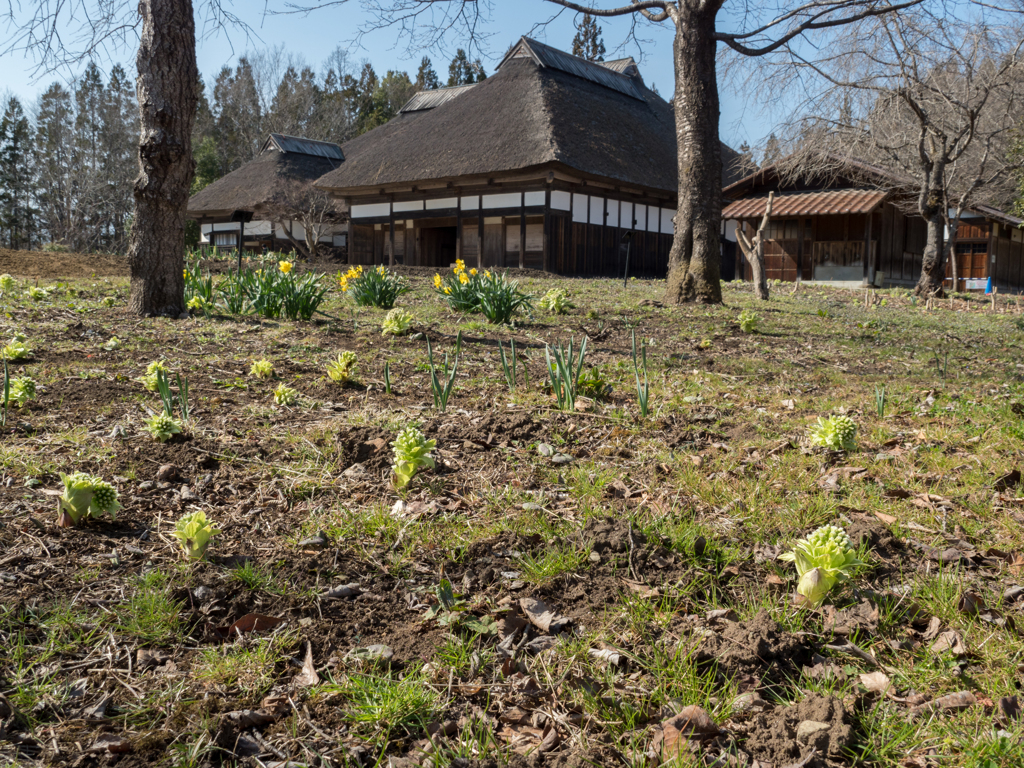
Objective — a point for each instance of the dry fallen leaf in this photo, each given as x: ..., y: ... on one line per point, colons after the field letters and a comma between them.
x: 876, y: 681
x: 949, y: 703
x: 950, y: 640
x: 308, y: 676
x: 251, y: 622
x: 542, y: 617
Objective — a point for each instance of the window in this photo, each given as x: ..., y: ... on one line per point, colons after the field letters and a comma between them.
x: 225, y: 239
x: 786, y: 229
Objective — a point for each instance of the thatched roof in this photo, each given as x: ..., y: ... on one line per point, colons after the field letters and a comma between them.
x: 542, y: 107
x: 286, y: 164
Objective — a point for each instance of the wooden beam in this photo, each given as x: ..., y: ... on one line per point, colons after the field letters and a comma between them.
x: 547, y: 224
x: 458, y: 234
x: 480, y: 239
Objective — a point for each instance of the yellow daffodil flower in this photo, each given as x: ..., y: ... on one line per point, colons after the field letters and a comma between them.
x: 285, y: 266
x: 447, y: 289
x: 437, y: 281
x: 463, y: 278
x: 487, y: 273
x: 473, y: 271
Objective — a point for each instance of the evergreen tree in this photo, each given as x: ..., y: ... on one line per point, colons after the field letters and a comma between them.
x: 391, y: 94
x: 55, y: 150
x: 478, y: 71
x: 118, y: 166
x: 587, y: 44
x: 426, y: 77
x: 363, y: 92
x: 237, y: 115
x: 87, y: 172
x: 17, y: 212
x: 772, y: 152
x: 461, y: 70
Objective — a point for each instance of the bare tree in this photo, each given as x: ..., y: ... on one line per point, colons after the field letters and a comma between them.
x: 167, y: 90
x: 313, y: 208
x: 748, y: 29
x: 933, y: 99
x: 753, y: 250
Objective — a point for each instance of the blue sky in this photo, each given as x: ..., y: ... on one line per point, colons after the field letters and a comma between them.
x: 314, y: 36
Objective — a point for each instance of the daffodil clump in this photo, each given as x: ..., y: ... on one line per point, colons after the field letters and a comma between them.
x: 748, y: 321
x: 15, y: 349
x: 85, y: 496
x: 460, y: 288
x: 262, y: 369
x: 823, y: 559
x: 343, y: 368
x: 412, y: 453
x: 378, y: 287
x: 397, y: 322
x: 7, y: 284
x: 556, y: 301
x: 153, y: 371
x: 162, y: 427
x: 22, y: 390
x: 193, y: 532
x: 199, y: 304
x: 837, y: 433
x: 285, y: 395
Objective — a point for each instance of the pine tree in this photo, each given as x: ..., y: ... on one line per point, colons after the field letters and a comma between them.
x: 460, y: 71
x: 237, y: 115
x: 363, y: 92
x: 118, y: 166
x: 772, y: 152
x: 478, y: 71
x: 54, y: 148
x: 587, y: 43
x: 391, y: 94
x: 426, y: 77
x: 17, y: 212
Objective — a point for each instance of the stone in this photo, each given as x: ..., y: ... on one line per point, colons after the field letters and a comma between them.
x: 561, y: 458
x: 814, y: 734
x: 168, y: 473
x: 545, y: 450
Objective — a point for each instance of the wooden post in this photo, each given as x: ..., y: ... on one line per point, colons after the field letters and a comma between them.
x: 547, y: 225
x: 391, y: 236
x: 458, y: 231
x: 867, y: 248
x: 522, y: 230
x: 480, y: 237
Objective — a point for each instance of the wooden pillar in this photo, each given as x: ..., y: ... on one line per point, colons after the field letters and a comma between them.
x: 348, y: 240
x: 458, y: 231
x: 867, y: 247
x: 522, y: 230
x: 480, y: 237
x: 547, y: 225
x: 800, y: 249
x: 391, y: 235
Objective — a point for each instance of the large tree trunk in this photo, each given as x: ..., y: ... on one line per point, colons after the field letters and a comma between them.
x: 693, y: 263
x: 167, y: 93
x: 933, y: 263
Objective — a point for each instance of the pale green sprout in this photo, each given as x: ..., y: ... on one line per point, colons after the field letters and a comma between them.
x: 38, y: 294
x: 149, y: 378
x: 837, y: 433
x: 199, y: 304
x: 262, y: 369
x: 7, y: 283
x: 285, y: 395
x: 748, y: 321
x: 109, y: 301
x: 342, y: 369
x: 22, y: 390
x: 15, y: 349
x: 823, y: 559
x: 412, y: 453
x: 193, y: 532
x: 112, y: 343
x: 85, y: 496
x: 556, y: 301
x: 162, y: 427
x: 397, y: 322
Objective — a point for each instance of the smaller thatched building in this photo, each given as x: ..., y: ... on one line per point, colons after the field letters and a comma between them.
x: 270, y: 203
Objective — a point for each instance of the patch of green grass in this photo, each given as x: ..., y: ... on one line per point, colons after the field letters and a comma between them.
x: 383, y: 707
x: 151, y: 615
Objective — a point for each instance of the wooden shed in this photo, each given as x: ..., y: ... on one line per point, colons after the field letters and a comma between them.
x: 544, y: 165
x: 855, y: 226
x: 245, y: 209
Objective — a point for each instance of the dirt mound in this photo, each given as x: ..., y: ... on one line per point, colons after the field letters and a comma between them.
x: 608, y: 534
x: 490, y: 429
x: 365, y: 445
x: 61, y: 266
x: 758, y: 648
x: 788, y: 734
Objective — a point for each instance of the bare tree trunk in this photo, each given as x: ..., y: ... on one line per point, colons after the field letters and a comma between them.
x: 953, y: 267
x: 167, y: 93
x: 694, y: 261
x: 753, y: 250
x: 933, y: 263
x: 287, y: 229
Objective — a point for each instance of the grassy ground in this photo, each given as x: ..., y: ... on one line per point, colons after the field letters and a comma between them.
x: 652, y: 543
